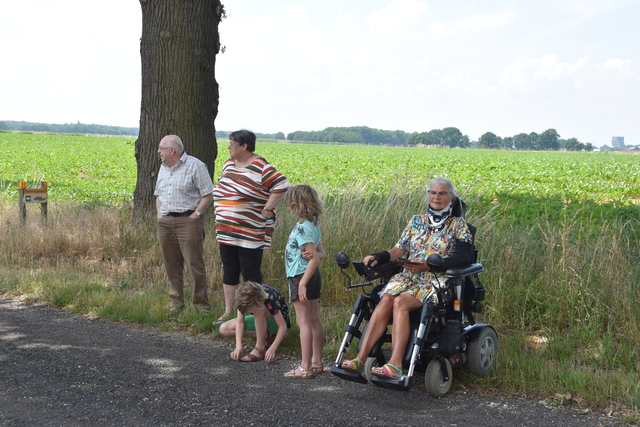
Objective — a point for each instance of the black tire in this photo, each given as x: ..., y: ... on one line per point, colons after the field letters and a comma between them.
x: 434, y: 379
x: 483, y: 353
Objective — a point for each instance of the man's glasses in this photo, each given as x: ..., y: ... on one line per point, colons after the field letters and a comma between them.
x: 439, y: 193
x: 164, y: 148
x: 233, y: 144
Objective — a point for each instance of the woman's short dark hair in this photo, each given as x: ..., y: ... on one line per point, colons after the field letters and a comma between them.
x: 244, y: 137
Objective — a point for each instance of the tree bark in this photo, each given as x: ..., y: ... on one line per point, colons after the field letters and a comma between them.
x: 178, y: 49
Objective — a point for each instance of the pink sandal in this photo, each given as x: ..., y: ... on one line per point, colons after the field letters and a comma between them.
x: 353, y: 365
x: 387, y: 371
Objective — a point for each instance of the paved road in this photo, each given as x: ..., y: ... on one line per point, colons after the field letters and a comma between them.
x: 58, y: 369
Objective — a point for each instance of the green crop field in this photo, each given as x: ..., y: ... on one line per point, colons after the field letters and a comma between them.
x: 102, y: 170
x: 82, y: 169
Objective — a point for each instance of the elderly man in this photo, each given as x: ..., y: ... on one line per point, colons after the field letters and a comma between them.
x: 183, y: 193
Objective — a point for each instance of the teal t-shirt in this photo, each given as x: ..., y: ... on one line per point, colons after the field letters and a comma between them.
x: 304, y: 232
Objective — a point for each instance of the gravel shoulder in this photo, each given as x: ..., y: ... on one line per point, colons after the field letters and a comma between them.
x: 62, y: 369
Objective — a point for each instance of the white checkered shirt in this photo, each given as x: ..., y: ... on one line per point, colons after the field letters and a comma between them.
x: 180, y: 188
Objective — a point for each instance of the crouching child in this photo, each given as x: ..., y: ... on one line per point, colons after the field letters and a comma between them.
x: 262, y: 314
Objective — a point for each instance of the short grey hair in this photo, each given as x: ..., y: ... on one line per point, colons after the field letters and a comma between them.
x: 444, y: 181
x: 176, y: 143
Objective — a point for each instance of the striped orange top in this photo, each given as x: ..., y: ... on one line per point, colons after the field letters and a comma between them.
x: 239, y: 196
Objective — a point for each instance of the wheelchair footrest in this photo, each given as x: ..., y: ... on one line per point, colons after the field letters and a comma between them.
x: 402, y: 384
x: 347, y: 375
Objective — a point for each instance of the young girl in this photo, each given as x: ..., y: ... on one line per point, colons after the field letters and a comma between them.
x: 262, y: 314
x: 302, y: 255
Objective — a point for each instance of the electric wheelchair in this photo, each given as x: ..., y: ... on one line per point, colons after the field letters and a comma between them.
x: 444, y: 334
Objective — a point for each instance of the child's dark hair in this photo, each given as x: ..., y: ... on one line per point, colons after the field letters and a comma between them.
x: 250, y: 295
x: 304, y: 202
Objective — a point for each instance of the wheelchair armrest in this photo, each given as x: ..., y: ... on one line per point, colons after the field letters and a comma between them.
x: 458, y: 272
x: 386, y: 270
x: 387, y: 266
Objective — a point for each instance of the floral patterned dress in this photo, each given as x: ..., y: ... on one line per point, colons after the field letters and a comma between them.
x: 421, y: 241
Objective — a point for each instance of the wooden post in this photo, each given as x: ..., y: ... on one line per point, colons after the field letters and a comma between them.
x: 43, y: 206
x: 22, y: 207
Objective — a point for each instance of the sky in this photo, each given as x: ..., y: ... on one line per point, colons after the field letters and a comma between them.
x: 482, y: 66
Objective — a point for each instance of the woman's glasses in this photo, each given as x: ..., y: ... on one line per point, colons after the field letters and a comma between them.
x: 439, y: 193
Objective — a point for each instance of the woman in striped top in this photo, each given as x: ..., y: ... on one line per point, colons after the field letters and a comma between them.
x: 248, y: 190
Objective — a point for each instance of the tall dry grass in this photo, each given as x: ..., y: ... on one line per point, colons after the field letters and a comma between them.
x: 564, y: 298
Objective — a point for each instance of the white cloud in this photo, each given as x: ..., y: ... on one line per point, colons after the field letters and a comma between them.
x: 344, y: 19
x: 398, y: 15
x: 294, y: 14
x: 614, y: 78
x: 587, y: 8
x: 465, y: 82
x: 626, y: 66
x: 548, y: 67
x: 477, y: 22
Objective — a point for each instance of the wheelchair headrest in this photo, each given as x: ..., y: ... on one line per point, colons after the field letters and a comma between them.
x: 458, y: 207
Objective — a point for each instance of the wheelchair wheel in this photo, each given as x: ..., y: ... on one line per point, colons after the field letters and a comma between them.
x: 371, y: 362
x: 434, y: 379
x: 483, y: 352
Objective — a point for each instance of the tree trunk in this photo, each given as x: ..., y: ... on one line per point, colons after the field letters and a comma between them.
x: 179, y: 91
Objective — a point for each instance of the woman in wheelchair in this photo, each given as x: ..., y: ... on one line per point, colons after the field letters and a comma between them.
x: 442, y: 235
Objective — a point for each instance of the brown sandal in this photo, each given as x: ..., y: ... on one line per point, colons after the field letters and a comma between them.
x: 249, y: 357
x: 304, y: 373
x: 317, y: 369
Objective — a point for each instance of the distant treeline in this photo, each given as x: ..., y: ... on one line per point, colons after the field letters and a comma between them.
x: 447, y: 137
x: 342, y: 135
x: 68, y: 128
x: 279, y: 135
x: 352, y: 135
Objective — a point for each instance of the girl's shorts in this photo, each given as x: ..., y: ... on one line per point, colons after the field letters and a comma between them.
x: 313, y: 287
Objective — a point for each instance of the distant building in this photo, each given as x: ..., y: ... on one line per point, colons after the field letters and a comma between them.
x: 617, y: 141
